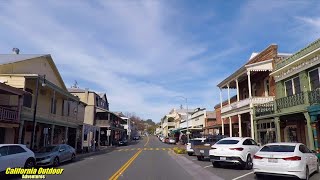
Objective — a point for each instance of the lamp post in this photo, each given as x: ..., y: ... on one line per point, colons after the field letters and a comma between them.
x: 35, y: 108
x: 186, y: 99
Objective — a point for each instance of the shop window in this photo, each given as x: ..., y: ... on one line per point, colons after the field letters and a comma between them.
x: 314, y: 79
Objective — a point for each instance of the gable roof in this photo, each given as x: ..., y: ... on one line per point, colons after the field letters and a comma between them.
x: 16, y: 58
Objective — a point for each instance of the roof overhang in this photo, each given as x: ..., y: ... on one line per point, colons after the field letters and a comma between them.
x: 232, y: 77
x: 260, y: 66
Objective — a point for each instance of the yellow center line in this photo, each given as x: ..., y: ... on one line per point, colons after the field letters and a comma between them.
x: 116, y: 175
x: 147, y: 141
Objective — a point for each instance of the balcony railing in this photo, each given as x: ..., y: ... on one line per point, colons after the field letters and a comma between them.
x: 264, y: 109
x: 314, y: 96
x: 289, y: 101
x: 52, y: 117
x: 7, y: 114
x: 246, y: 102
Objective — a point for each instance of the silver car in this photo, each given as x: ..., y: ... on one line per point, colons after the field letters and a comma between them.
x: 54, y: 155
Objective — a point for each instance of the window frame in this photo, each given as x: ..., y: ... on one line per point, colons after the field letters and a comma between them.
x: 318, y: 68
x: 292, y: 85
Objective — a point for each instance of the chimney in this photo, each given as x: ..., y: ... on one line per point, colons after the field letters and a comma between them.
x: 15, y: 51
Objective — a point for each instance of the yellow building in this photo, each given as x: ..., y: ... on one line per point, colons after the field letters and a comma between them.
x: 58, y: 114
x: 98, y: 119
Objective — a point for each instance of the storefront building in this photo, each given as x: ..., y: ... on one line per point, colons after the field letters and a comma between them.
x: 295, y: 110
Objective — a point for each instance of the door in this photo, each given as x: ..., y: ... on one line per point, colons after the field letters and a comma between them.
x: 306, y: 156
x: 18, y: 156
x: 4, y: 158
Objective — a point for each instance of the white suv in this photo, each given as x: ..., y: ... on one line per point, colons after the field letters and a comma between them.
x: 234, y: 150
x: 15, y: 155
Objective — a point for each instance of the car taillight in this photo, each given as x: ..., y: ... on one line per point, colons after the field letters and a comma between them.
x: 294, y: 158
x: 257, y: 157
x: 237, y: 149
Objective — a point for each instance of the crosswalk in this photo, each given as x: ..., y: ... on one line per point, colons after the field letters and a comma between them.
x: 145, y: 149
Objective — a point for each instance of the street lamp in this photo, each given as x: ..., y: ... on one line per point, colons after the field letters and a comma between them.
x: 186, y: 99
x: 35, y: 108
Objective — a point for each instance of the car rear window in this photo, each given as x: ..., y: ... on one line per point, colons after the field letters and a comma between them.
x: 228, y: 142
x: 196, y: 142
x: 278, y: 148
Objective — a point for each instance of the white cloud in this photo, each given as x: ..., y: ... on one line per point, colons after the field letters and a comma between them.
x: 144, y: 48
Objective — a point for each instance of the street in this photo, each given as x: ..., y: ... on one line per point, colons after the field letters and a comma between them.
x: 149, y: 158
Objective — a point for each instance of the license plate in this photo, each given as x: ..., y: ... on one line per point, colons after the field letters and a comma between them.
x: 201, y: 151
x: 223, y: 158
x: 273, y: 160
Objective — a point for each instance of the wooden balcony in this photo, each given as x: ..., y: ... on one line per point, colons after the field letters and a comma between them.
x: 8, y: 114
x: 246, y: 102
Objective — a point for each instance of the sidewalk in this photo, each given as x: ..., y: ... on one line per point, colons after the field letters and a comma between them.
x: 102, y: 150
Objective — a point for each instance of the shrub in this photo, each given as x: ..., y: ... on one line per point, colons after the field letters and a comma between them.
x: 179, y: 150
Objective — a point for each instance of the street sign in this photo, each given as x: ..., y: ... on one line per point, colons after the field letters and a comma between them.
x: 108, y: 132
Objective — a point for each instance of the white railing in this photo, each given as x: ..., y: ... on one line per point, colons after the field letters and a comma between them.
x: 246, y: 102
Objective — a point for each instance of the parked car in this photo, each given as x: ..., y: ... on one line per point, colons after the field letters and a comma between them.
x: 234, y: 150
x: 123, y: 142
x: 201, y: 150
x: 285, y: 159
x: 54, y: 155
x: 15, y: 156
x: 191, y: 143
x: 172, y: 141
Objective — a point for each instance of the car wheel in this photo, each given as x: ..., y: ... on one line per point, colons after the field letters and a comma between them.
x: 259, y: 176
x: 56, y: 162
x: 248, y: 164
x: 73, y: 157
x: 307, y: 173
x: 216, y: 164
x: 190, y: 154
x: 200, y: 158
x: 29, y: 163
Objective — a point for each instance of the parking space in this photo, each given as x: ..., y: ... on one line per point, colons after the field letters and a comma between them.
x: 234, y: 173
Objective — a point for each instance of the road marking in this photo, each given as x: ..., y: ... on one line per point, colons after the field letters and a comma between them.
x: 120, y: 150
x: 116, y: 175
x: 164, y: 149
x: 157, y: 149
x: 194, y: 159
x: 150, y: 149
x: 126, y: 149
x: 145, y: 149
x: 147, y: 141
x: 138, y: 148
x: 132, y: 149
x: 169, y: 149
x: 243, y: 175
x: 207, y: 166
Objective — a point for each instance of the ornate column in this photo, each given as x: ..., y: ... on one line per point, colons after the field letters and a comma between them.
x: 249, y: 84
x: 251, y: 125
x: 230, y: 127
x: 238, y: 94
x: 309, y: 128
x: 277, y: 124
x: 228, y: 93
x: 240, y: 125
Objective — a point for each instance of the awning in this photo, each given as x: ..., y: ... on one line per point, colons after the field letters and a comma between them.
x: 175, y: 130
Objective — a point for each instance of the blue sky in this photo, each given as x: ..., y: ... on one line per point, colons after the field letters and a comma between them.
x: 145, y: 53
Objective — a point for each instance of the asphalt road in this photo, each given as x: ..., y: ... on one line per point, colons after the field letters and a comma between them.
x: 148, y: 159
